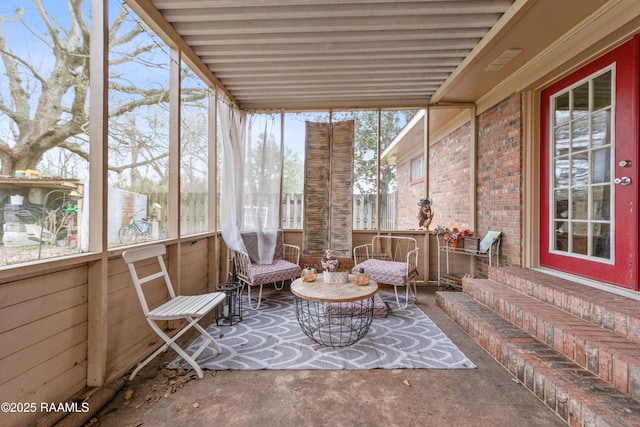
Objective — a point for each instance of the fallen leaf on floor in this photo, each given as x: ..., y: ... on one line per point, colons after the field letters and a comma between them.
x: 128, y: 394
x: 406, y: 382
x: 148, y: 397
x: 168, y: 392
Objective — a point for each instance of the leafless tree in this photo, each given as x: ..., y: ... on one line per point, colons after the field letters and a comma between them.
x: 47, y: 107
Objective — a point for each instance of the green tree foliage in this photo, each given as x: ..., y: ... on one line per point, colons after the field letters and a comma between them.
x: 366, y: 146
x: 292, y: 173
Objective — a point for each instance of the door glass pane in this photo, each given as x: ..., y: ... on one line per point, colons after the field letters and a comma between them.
x: 562, y: 171
x: 562, y: 205
x: 582, y: 149
x: 600, y: 131
x: 601, y: 202
x: 562, y: 140
x: 579, y: 203
x: 579, y: 239
x: 580, y: 169
x: 560, y: 223
x: 580, y: 135
x: 561, y: 240
x: 601, y: 242
x: 602, y: 91
x: 562, y: 111
x: 580, y: 107
x: 601, y: 166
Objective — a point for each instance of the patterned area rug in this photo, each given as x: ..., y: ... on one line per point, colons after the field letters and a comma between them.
x: 271, y: 338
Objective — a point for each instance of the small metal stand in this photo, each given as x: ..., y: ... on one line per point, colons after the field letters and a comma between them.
x: 232, y: 307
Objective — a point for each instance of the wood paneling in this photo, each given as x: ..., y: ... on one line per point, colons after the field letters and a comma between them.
x: 36, y: 354
x: 43, y: 339
x: 129, y: 336
x: 194, y: 259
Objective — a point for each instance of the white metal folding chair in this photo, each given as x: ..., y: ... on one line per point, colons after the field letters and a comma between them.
x: 190, y: 308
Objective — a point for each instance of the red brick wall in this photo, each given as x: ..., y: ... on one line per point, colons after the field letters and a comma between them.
x: 499, y: 180
x: 409, y: 194
x: 449, y: 179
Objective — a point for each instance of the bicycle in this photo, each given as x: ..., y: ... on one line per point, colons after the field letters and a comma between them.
x: 129, y: 233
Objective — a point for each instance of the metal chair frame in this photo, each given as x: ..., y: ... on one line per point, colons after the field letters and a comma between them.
x: 394, y: 249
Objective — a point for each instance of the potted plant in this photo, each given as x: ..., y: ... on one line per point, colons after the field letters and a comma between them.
x: 453, y: 237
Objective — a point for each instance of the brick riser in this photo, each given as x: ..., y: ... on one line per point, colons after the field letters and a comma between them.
x: 578, y: 396
x: 611, y: 357
x: 612, y: 312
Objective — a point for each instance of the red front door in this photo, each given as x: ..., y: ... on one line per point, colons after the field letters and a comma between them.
x: 589, y: 170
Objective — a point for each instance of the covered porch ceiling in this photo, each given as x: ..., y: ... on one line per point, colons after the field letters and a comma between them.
x: 332, y: 54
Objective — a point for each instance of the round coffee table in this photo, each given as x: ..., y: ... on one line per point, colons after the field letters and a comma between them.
x: 334, y: 314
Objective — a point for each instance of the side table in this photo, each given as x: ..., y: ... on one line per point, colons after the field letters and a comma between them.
x: 334, y: 314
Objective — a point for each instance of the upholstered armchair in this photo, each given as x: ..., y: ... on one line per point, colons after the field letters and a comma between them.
x: 285, y: 266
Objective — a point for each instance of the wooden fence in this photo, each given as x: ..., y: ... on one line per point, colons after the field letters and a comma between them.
x: 193, y: 216
x: 364, y: 211
x: 193, y: 211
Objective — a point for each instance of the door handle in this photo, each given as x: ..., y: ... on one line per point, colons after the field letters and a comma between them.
x: 625, y: 180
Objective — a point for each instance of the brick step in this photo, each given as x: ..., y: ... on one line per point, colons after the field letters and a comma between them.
x: 578, y: 396
x: 610, y: 311
x: 606, y: 354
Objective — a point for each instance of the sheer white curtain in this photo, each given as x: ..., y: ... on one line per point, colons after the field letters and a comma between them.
x: 250, y: 187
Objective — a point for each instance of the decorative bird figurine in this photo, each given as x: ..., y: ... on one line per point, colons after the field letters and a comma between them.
x: 425, y: 214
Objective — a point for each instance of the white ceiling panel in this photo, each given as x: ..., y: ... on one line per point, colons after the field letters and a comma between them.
x: 311, y: 54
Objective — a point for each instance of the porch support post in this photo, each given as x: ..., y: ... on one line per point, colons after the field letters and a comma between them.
x: 378, y: 217
x: 473, y: 176
x: 173, y: 251
x: 215, y: 262
x: 531, y: 181
x: 425, y: 154
x: 98, y: 271
x: 473, y: 164
x: 174, y: 145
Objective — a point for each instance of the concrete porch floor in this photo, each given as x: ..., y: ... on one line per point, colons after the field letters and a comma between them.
x: 486, y: 396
